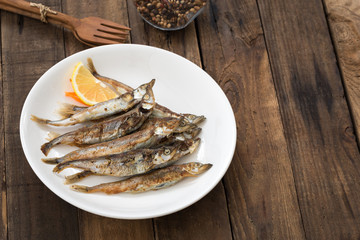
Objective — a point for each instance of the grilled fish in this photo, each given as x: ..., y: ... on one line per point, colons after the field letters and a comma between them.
x: 108, y: 129
x: 129, y: 163
x: 140, y: 139
x: 157, y: 179
x: 104, y: 109
x: 159, y: 110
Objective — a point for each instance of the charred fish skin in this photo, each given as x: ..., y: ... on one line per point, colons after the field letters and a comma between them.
x: 108, y: 129
x: 140, y: 139
x: 157, y: 179
x: 125, y: 164
x: 129, y: 163
x: 185, y: 148
x: 103, y: 109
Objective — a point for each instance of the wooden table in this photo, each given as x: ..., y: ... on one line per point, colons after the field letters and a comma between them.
x: 291, y: 70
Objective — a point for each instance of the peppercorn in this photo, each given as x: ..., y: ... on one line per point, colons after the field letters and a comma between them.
x: 169, y: 13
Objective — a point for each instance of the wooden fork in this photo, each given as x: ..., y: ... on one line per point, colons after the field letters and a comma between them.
x: 91, y: 31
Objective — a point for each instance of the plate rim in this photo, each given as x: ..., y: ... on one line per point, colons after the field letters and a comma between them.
x: 114, y: 215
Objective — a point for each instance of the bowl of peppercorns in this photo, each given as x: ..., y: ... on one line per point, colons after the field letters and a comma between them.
x: 169, y: 15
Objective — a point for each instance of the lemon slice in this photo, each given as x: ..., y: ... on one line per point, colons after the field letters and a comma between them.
x: 89, y: 89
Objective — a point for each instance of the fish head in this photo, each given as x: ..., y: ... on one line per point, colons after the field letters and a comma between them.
x: 194, y: 119
x: 192, y: 144
x: 195, y: 168
x: 143, y: 89
x: 189, y: 134
x: 186, y: 147
x: 165, y: 154
x: 148, y: 100
x: 184, y: 126
x: 166, y: 126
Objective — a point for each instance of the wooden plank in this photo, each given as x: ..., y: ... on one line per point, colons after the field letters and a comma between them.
x: 93, y: 226
x: 344, y: 21
x: 184, y: 43
x: 259, y: 183
x: 97, y: 227
x: 3, y: 219
x: 206, y: 219
x: 316, y: 119
x: 29, y: 48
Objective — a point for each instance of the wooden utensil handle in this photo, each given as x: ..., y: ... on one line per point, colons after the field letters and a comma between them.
x: 24, y: 8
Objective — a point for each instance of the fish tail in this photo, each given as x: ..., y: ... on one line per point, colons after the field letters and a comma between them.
x: 54, y: 139
x: 66, y: 110
x: 52, y: 160
x: 77, y: 177
x: 91, y: 66
x: 81, y: 188
x: 45, y: 148
x: 63, y: 122
x: 39, y: 120
x: 152, y: 82
x: 52, y: 136
x: 205, y: 167
x: 59, y: 167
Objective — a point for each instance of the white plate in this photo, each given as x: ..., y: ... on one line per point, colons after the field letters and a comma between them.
x: 180, y: 85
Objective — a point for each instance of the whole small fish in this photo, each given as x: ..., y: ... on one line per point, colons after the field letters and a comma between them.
x: 140, y: 139
x: 157, y: 179
x: 129, y: 163
x: 159, y: 110
x: 183, y: 126
x: 108, y: 129
x: 104, y: 109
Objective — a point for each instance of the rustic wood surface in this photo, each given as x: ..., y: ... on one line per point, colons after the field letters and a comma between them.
x: 290, y: 70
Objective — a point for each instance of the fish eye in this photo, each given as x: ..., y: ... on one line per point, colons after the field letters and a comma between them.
x: 182, y: 123
x: 167, y: 151
x: 146, y: 97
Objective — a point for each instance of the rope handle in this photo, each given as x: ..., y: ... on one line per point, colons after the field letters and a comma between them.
x: 44, y: 10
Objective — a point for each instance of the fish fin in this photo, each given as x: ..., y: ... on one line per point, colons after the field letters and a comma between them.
x: 52, y: 160
x: 39, y: 120
x: 77, y: 177
x: 52, y: 136
x: 66, y: 110
x: 52, y: 141
x: 45, y: 148
x: 80, y: 188
x: 91, y: 66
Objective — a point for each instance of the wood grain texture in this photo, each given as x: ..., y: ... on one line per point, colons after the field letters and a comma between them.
x: 184, y: 224
x: 209, y: 213
x: 318, y: 129
x: 344, y: 21
x: 3, y: 219
x: 259, y: 183
x: 97, y: 227
x: 33, y: 212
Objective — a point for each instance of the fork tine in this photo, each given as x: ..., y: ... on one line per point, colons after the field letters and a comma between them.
x: 104, y: 41
x: 84, y: 42
x: 110, y: 36
x: 112, y: 32
x: 113, y: 25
